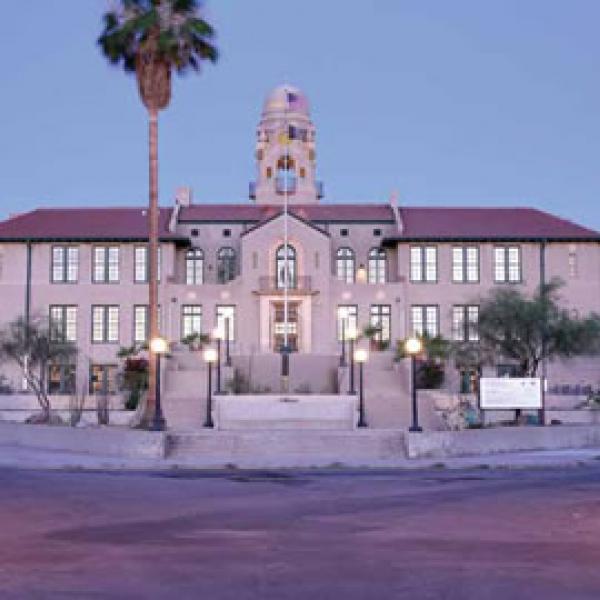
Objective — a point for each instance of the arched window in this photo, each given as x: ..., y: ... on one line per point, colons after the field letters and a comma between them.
x: 377, y: 266
x: 344, y: 265
x: 226, y: 266
x: 194, y: 267
x: 284, y: 274
x: 286, y: 175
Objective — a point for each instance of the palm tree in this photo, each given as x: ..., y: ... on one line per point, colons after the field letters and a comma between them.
x: 151, y: 38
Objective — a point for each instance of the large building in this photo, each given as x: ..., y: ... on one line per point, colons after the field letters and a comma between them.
x: 404, y: 269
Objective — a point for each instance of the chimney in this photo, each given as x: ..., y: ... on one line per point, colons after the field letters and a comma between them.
x: 183, y: 196
x: 396, y: 211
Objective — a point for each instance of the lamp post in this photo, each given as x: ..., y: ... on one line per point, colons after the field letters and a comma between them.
x: 227, y: 340
x: 352, y: 336
x: 413, y: 346
x: 158, y: 347
x: 210, y: 357
x: 218, y: 336
x: 343, y: 356
x: 361, y: 356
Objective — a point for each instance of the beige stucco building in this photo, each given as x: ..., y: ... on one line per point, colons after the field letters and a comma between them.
x: 404, y: 269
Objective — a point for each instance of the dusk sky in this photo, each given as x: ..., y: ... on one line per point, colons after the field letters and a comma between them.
x: 492, y: 102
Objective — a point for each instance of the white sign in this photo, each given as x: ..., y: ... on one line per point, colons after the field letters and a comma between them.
x: 510, y: 393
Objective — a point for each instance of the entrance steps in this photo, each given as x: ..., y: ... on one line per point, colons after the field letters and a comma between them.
x: 279, y: 449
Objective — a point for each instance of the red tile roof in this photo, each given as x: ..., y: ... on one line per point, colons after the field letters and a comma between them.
x: 419, y: 223
x: 84, y: 223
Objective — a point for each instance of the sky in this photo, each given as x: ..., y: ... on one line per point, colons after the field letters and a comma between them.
x: 466, y: 103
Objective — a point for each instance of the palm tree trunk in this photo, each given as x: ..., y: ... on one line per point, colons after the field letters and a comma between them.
x: 153, y: 218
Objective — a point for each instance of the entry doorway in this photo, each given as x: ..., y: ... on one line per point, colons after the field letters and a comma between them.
x: 278, y: 326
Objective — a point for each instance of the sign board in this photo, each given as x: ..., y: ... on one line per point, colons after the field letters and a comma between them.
x: 510, y: 393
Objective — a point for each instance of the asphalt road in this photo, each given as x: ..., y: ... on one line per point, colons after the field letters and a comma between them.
x: 437, y: 534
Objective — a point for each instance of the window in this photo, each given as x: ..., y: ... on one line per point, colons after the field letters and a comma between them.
x: 425, y: 320
x: 377, y: 232
x: 285, y: 269
x: 377, y: 266
x: 573, y: 270
x: 105, y: 264
x: 285, y: 182
x: 347, y: 320
x: 465, y: 264
x: 226, y: 266
x: 194, y: 233
x: 465, y: 319
x: 63, y: 323
x: 226, y: 321
x: 344, y: 265
x: 423, y: 264
x: 194, y: 267
x: 103, y: 379
x: 105, y: 324
x: 65, y: 264
x: 226, y: 232
x: 141, y: 324
x: 141, y: 267
x: 344, y: 232
x: 191, y: 320
x: 381, y: 315
x: 61, y: 379
x: 507, y: 264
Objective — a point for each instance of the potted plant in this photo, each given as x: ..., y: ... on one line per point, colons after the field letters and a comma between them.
x: 196, y: 341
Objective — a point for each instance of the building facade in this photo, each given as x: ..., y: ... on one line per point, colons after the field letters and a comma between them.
x: 403, y: 269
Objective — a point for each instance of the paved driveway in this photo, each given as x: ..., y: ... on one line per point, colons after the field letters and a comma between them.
x: 480, y: 534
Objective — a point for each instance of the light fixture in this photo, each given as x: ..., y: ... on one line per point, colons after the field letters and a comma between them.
x: 159, y: 345
x: 210, y: 355
x: 413, y: 345
x: 361, y: 355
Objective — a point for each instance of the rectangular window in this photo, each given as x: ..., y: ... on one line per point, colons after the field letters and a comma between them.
x: 423, y: 264
x: 507, y: 264
x: 465, y: 319
x: 105, y: 264
x: 191, y: 319
x: 194, y: 267
x: 61, y: 379
x: 425, y: 320
x: 141, y: 324
x: 347, y: 320
x: 381, y: 317
x: 226, y: 321
x: 573, y: 270
x: 465, y: 264
x: 103, y: 379
x: 63, y: 323
x: 105, y: 324
x: 141, y: 265
x: 65, y: 264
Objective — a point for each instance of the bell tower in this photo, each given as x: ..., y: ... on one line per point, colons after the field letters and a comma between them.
x: 285, y: 151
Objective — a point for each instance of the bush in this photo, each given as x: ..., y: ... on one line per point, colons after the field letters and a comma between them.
x: 135, y: 380
x: 430, y: 375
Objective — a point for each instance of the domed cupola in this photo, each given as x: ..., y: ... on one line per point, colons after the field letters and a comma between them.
x: 285, y: 150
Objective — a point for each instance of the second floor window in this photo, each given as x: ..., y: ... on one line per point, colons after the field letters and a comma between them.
x: 377, y: 266
x: 344, y: 265
x: 507, y: 264
x: 194, y: 267
x: 423, y: 264
x: 425, y: 320
x: 465, y: 320
x: 226, y: 265
x: 105, y: 264
x: 285, y: 267
x: 65, y: 264
x: 63, y: 323
x: 141, y: 265
x: 105, y: 324
x: 465, y: 264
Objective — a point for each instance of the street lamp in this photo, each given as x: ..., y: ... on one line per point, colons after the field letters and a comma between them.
x: 210, y: 357
x: 158, y: 347
x: 361, y: 356
x: 414, y: 346
x: 218, y: 336
x: 352, y: 337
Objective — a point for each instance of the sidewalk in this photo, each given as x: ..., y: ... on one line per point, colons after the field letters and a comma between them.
x: 26, y: 458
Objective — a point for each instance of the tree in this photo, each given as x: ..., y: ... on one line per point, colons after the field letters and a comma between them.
x: 530, y: 330
x: 151, y: 38
x: 33, y: 346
